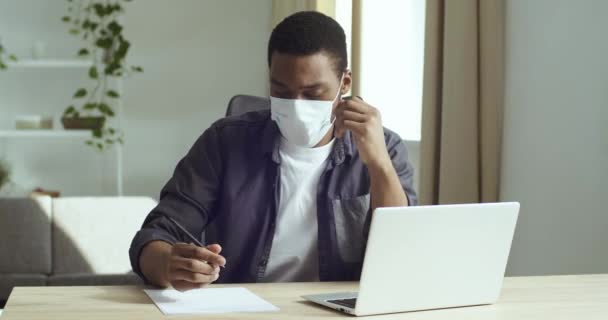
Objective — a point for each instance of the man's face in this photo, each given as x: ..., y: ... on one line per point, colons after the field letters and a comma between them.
x: 311, y: 77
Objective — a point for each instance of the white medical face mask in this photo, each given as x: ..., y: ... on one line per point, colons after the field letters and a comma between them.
x: 303, y: 122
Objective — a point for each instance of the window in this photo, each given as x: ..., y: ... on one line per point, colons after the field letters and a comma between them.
x: 392, y: 54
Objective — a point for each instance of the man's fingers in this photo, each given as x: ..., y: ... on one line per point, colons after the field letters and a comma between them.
x: 352, y: 110
x: 193, y: 277
x: 215, y: 248
x: 351, y: 115
x: 345, y: 114
x: 338, y: 132
x: 192, y: 265
x: 196, y: 252
x: 354, y: 105
x: 356, y: 127
x: 182, y: 286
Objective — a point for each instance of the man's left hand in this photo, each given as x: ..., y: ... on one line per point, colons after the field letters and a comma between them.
x: 365, y: 123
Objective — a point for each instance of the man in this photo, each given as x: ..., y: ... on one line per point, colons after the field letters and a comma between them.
x: 285, y: 194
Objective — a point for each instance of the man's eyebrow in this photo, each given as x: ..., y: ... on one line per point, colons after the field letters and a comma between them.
x: 313, y: 86
x: 309, y: 87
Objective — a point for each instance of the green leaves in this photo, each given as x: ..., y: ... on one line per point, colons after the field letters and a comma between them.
x: 123, y: 49
x: 93, y: 26
x: 93, y: 72
x: 80, y: 93
x: 89, y: 25
x: 97, y: 23
x: 97, y: 133
x: 114, y: 28
x: 112, y: 68
x: 90, y: 106
x: 112, y: 94
x: 99, y: 10
x: 102, y: 107
x: 104, y: 43
x: 104, y: 139
x: 69, y: 111
x: 10, y: 57
x: 105, y: 109
x: 107, y: 10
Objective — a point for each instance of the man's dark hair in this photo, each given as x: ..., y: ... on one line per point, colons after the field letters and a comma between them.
x: 309, y: 32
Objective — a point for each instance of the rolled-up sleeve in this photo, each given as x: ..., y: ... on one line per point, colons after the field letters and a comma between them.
x: 188, y: 197
x: 399, y: 156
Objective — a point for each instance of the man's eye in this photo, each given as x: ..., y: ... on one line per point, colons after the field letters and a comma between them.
x: 313, y: 96
x: 280, y: 94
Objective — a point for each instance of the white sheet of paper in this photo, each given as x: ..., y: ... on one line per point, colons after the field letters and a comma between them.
x: 208, y: 300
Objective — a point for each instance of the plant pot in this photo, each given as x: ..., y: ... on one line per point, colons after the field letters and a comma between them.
x: 83, y: 123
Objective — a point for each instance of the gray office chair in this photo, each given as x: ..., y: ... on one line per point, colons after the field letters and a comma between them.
x: 242, y: 103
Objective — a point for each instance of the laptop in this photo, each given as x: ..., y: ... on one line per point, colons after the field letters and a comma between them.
x: 431, y: 257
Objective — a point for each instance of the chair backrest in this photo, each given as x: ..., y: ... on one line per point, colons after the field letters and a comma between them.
x: 242, y: 103
x: 93, y: 235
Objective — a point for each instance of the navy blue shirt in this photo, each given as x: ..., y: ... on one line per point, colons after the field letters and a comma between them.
x: 226, y: 189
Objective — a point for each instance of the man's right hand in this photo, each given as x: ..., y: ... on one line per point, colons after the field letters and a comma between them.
x: 182, y: 266
x: 191, y: 267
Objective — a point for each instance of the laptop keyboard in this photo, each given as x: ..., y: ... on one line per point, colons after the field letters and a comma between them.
x: 350, y: 303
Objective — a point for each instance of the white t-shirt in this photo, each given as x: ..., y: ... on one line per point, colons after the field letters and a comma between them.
x: 294, y: 256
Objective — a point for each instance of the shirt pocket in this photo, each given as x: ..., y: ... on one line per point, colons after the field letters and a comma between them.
x: 350, y: 216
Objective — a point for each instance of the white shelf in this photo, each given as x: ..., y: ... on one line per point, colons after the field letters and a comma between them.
x: 57, y: 133
x: 50, y: 63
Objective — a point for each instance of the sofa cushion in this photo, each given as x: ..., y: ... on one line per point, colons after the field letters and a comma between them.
x: 93, y: 235
x: 9, y: 281
x: 81, y: 279
x: 25, y: 235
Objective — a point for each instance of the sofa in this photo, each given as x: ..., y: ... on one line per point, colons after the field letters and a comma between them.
x: 68, y: 241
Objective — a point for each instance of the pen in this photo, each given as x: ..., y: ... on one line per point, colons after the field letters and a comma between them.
x: 188, y: 234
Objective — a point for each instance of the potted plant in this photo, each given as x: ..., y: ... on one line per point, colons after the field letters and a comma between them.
x: 5, y: 174
x: 97, y: 23
x: 4, y: 57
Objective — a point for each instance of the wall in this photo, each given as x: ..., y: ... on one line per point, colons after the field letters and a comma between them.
x: 555, y: 157
x: 196, y: 55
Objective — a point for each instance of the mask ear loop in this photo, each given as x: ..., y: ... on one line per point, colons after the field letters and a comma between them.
x: 333, y: 116
x: 339, y: 88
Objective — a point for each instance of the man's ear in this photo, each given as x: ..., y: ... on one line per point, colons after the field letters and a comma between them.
x: 347, y: 82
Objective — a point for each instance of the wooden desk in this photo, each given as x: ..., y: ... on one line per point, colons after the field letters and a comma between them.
x: 551, y: 298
